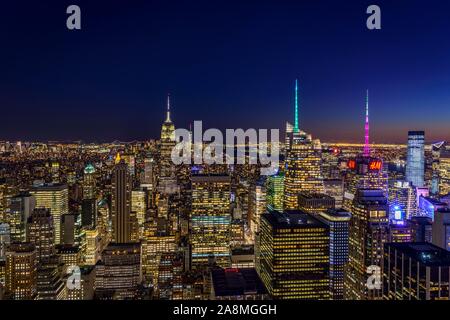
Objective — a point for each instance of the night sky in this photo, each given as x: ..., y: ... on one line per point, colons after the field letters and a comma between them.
x: 230, y: 63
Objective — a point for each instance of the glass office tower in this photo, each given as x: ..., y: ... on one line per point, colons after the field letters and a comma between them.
x: 415, y: 161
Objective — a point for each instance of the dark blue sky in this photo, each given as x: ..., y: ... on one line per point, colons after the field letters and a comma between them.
x: 230, y: 63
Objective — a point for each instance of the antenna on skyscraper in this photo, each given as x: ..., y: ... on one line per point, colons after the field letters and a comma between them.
x: 366, y: 128
x: 168, y: 108
x: 296, y: 129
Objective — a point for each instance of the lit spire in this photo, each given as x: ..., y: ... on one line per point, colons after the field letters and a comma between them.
x: 168, y: 108
x: 296, y: 130
x: 366, y: 128
x: 117, y: 159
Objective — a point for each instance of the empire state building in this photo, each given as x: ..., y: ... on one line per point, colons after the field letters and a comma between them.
x: 167, y: 178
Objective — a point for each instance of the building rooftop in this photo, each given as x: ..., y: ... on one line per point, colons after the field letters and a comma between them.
x: 292, y: 219
x: 49, y: 187
x: 236, y: 282
x: 336, y: 215
x: 371, y: 196
x: 424, y: 252
x: 434, y: 202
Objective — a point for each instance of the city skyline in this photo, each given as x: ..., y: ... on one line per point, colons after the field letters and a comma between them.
x: 109, y: 80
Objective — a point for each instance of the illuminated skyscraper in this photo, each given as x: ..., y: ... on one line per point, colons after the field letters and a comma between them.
x: 20, y: 208
x: 368, y: 231
x: 167, y: 144
x: 257, y: 206
x: 55, y: 172
x: 21, y: 271
x: 402, y: 197
x: 415, y: 161
x: 444, y: 173
x: 275, y: 192
x: 364, y: 173
x: 41, y: 232
x: 435, y: 167
x: 118, y: 274
x: 121, y: 203
x: 93, y: 246
x: 148, y: 174
x: 303, y: 164
x: 294, y: 256
x: 89, y: 182
x: 210, y: 219
x: 338, y: 222
x: 139, y: 205
x: 56, y: 199
x: 89, y: 202
x: 5, y: 239
x: 157, y: 242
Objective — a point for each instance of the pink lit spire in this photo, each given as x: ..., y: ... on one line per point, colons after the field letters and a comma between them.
x: 366, y: 129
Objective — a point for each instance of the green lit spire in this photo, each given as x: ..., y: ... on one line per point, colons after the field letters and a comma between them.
x: 296, y: 130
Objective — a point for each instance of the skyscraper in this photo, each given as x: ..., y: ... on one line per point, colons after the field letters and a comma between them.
x: 21, y: 271
x: 41, y: 232
x: 368, y: 231
x: 210, y: 219
x: 294, y: 256
x: 20, y: 208
x: 5, y: 239
x: 402, y: 197
x: 435, y: 167
x: 416, y: 271
x: 415, y: 160
x: 364, y: 173
x: 338, y: 222
x: 275, y: 192
x: 257, y: 206
x: 54, y: 197
x: 118, y: 274
x: 121, y: 203
x: 89, y: 182
x: 167, y: 144
x: 302, y: 165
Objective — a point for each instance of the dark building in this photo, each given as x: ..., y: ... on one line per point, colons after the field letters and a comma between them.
x: 88, y: 213
x: 121, y: 203
x: 416, y: 271
x: 69, y: 228
x: 421, y: 228
x: 237, y: 284
x: 315, y: 202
